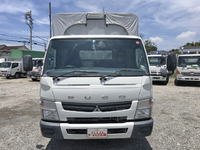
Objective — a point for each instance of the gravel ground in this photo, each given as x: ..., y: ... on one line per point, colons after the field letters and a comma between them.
x: 176, y: 116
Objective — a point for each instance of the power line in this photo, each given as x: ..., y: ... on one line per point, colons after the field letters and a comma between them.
x: 14, y: 36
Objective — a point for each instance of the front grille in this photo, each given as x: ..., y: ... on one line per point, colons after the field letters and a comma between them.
x: 97, y: 120
x: 90, y: 107
x: 110, y: 131
x: 190, y: 74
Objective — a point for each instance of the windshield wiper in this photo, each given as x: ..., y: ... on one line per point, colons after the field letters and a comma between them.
x: 104, y: 76
x: 75, y: 71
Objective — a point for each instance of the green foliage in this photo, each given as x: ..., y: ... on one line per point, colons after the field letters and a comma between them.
x: 187, y: 44
x: 192, y: 44
x: 176, y: 51
x: 150, y: 46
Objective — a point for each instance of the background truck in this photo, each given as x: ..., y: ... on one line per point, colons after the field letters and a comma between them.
x: 188, y: 68
x: 12, y: 69
x: 158, y: 62
x: 2, y: 60
x: 95, y: 81
x: 36, y: 72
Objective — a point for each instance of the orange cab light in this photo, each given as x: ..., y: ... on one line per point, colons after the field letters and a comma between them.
x: 41, y: 103
x: 178, y: 72
x: 151, y: 101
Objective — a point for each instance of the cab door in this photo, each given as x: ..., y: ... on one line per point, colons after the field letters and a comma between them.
x: 14, y: 68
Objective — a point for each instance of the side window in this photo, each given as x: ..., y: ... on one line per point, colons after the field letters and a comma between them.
x: 14, y: 65
x: 141, y: 59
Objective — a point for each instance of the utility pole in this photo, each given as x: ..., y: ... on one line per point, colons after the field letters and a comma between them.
x: 28, y: 17
x: 50, y: 17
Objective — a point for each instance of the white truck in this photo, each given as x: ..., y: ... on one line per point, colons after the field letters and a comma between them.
x: 95, y: 82
x: 158, y: 62
x: 188, y: 68
x: 2, y: 60
x: 36, y: 71
x: 12, y: 69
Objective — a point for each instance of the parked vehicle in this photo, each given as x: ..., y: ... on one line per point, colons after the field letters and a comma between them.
x: 12, y: 69
x: 158, y: 62
x: 36, y: 72
x: 188, y: 68
x: 2, y: 60
x: 95, y: 81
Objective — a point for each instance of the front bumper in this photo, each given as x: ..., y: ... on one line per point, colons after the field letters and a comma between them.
x: 127, y: 129
x: 159, y: 78
x: 33, y: 74
x: 188, y: 78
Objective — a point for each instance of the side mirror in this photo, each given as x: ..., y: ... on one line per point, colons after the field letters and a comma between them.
x: 27, y: 63
x: 40, y: 62
x: 163, y: 72
x: 171, y: 62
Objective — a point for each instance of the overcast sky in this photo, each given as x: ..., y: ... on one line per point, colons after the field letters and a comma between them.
x: 170, y: 24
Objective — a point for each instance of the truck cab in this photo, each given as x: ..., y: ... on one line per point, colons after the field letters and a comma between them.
x: 158, y: 62
x: 11, y: 69
x: 36, y: 72
x: 188, y: 68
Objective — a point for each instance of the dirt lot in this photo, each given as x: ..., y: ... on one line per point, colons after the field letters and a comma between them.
x: 176, y: 116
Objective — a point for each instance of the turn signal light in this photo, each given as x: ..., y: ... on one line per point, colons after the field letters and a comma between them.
x: 178, y: 72
x: 151, y: 101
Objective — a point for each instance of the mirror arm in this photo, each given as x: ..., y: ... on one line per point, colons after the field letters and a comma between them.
x: 171, y: 73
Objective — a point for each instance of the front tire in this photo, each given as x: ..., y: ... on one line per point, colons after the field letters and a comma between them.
x: 17, y: 75
x: 177, y: 83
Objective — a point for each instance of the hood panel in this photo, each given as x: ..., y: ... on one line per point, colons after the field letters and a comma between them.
x: 92, y: 89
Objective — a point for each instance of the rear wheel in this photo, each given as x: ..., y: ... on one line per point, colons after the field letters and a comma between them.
x: 33, y: 79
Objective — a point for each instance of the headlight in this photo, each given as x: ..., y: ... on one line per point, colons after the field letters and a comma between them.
x: 50, y: 114
x: 144, y: 109
x: 142, y: 113
x: 48, y: 110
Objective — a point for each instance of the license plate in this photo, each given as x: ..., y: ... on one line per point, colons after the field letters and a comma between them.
x: 96, y: 133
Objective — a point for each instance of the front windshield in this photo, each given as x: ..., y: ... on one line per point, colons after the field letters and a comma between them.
x: 5, y: 65
x: 35, y: 64
x: 189, y: 61
x: 95, y: 57
x: 157, y: 61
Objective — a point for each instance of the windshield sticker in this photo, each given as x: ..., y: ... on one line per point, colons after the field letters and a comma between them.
x: 137, y: 42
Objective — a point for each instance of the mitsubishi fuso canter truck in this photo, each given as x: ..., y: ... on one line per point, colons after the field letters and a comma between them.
x: 95, y: 82
x: 158, y: 62
x: 12, y: 69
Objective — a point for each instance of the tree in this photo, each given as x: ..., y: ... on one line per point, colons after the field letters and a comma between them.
x: 176, y: 51
x: 150, y: 46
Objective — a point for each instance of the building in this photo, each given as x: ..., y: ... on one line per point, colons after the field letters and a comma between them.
x: 16, y: 53
x: 189, y: 50
x: 5, y: 51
